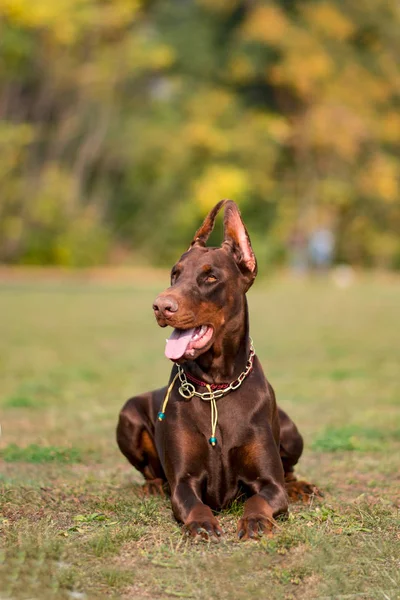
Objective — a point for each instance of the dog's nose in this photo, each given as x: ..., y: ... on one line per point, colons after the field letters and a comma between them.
x: 165, y: 305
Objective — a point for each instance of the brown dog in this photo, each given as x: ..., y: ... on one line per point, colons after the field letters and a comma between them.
x: 219, y: 433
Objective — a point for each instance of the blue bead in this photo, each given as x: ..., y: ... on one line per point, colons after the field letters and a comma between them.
x: 161, y: 416
x: 213, y: 441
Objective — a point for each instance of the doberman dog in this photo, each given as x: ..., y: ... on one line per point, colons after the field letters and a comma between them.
x: 219, y: 434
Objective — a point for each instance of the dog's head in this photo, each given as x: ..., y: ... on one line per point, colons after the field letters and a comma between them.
x: 207, y: 286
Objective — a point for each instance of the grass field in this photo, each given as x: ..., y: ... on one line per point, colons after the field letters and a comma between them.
x: 73, y: 522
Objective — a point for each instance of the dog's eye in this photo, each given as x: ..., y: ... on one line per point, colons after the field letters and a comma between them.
x: 211, y: 279
x: 174, y: 277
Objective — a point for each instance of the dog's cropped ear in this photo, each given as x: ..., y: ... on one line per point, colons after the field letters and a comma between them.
x: 203, y: 233
x: 237, y: 241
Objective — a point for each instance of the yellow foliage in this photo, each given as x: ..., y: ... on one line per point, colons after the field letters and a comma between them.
x: 266, y: 24
x: 384, y: 245
x: 336, y: 128
x: 12, y: 228
x: 278, y: 128
x: 380, y: 178
x: 220, y: 181
x: 334, y: 192
x: 256, y: 138
x: 360, y: 89
x: 14, y: 141
x: 268, y: 104
x: 65, y: 20
x: 389, y: 65
x: 115, y: 14
x: 138, y: 54
x: 161, y: 56
x: 327, y: 18
x: 389, y: 127
x: 83, y: 241
x: 53, y: 197
x: 204, y: 127
x: 210, y: 105
x: 221, y: 6
x: 203, y: 135
x: 241, y: 69
x: 305, y: 64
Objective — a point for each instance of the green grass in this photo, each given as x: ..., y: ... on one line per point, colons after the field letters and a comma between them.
x: 40, y: 454
x: 20, y: 401
x: 354, y: 437
x: 73, y: 522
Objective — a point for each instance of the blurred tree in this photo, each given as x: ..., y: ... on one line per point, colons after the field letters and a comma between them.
x: 123, y: 121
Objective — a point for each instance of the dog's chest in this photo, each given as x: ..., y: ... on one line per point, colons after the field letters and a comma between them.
x: 221, y: 482
x: 221, y: 469
x: 223, y: 463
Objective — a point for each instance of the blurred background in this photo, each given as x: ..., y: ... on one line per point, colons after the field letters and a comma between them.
x: 123, y: 122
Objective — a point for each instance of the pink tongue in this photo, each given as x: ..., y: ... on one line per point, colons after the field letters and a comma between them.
x: 178, y: 342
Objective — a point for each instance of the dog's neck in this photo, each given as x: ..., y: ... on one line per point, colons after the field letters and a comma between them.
x: 228, y: 355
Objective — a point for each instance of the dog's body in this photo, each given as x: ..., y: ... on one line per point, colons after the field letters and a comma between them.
x: 256, y: 444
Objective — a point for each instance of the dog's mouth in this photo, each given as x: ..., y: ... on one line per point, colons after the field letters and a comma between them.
x: 184, y: 343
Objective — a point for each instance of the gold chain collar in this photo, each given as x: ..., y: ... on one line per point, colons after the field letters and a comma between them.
x: 187, y: 391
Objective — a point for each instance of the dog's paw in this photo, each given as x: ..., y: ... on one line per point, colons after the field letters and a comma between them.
x: 253, y: 527
x: 154, y: 487
x: 207, y: 530
x: 302, y: 491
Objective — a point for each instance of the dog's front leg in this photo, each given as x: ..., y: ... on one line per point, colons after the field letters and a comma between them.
x: 261, y: 509
x: 188, y: 508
